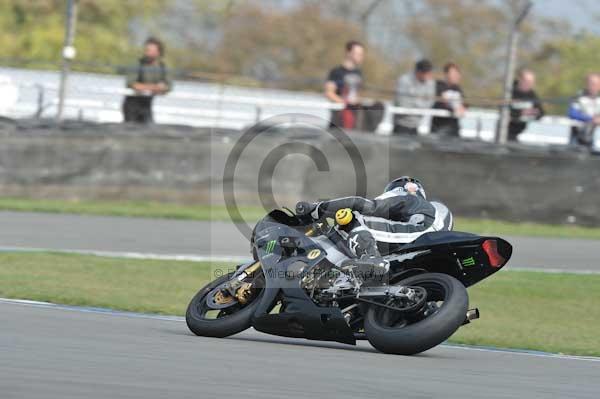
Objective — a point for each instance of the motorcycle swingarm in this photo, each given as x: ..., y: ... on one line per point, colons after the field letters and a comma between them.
x: 384, y: 291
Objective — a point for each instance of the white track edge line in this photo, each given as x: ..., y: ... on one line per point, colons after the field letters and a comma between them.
x: 230, y: 258
x: 133, y: 255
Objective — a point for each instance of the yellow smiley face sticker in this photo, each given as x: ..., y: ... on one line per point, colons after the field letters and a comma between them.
x: 313, y: 254
x: 343, y: 216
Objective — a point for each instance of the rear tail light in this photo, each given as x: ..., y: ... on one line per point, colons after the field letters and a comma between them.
x: 491, y: 249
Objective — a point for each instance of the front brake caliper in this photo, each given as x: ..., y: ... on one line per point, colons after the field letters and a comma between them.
x: 244, y: 293
x: 222, y: 297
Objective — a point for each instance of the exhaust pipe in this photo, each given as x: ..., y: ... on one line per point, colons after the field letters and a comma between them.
x: 472, y: 314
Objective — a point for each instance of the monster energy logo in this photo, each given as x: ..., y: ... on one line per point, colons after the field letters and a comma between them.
x: 270, y: 246
x: 468, y: 262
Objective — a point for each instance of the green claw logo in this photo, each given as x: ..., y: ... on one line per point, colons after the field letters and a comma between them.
x: 468, y: 262
x: 270, y: 247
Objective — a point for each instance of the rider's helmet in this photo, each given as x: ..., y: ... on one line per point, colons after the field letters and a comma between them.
x: 406, y: 185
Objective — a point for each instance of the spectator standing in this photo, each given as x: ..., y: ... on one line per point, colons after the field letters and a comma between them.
x: 414, y: 90
x: 149, y: 79
x: 343, y: 86
x: 449, y: 96
x: 585, y: 108
x: 526, y: 106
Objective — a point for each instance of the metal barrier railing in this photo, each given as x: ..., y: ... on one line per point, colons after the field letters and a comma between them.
x: 259, y: 105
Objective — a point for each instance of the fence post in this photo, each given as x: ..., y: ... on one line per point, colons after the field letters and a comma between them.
x: 40, y: 100
x: 258, y: 113
x: 502, y: 130
x: 68, y: 53
x: 478, y: 127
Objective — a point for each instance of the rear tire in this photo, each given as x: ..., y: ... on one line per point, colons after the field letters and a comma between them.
x: 220, y: 327
x: 429, y: 332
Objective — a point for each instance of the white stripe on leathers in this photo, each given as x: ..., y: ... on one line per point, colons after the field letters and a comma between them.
x: 441, y: 213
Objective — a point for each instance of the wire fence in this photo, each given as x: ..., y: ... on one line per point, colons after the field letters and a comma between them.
x: 307, y: 83
x: 98, y: 98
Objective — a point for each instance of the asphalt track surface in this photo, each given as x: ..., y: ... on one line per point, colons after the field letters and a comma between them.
x: 58, y: 352
x: 220, y: 239
x: 64, y: 353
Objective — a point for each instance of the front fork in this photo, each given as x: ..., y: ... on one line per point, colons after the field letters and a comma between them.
x: 245, y: 271
x: 236, y: 287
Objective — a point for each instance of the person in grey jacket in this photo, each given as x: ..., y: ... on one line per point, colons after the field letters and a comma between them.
x: 414, y: 90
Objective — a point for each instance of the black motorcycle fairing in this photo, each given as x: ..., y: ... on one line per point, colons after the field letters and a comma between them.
x: 426, y: 240
x: 284, y: 265
x: 301, y: 317
x: 461, y: 255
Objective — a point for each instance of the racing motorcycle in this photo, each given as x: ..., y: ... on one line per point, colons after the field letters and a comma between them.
x: 298, y: 286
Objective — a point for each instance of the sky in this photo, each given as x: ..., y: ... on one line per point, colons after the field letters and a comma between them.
x: 581, y: 14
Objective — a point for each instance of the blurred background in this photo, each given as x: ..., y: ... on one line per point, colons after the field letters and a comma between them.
x: 232, y: 54
x: 235, y: 42
x: 517, y: 73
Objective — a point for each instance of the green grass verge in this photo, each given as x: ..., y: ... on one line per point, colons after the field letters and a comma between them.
x: 128, y: 208
x: 152, y: 286
x: 251, y: 214
x: 534, y: 310
x: 530, y: 310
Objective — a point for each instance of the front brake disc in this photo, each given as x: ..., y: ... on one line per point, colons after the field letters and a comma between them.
x: 220, y: 298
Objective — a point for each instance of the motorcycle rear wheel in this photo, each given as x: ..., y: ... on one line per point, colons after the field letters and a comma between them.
x: 226, y: 322
x: 397, y: 334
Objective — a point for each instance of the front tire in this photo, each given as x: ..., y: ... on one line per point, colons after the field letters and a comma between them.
x: 222, y: 326
x: 405, y: 338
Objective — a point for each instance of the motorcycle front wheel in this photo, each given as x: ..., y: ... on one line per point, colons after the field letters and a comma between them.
x: 227, y: 319
x: 393, y: 332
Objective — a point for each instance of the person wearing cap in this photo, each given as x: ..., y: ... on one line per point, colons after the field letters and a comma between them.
x: 414, y: 90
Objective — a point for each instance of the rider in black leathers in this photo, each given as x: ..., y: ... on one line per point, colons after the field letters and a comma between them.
x: 397, y: 217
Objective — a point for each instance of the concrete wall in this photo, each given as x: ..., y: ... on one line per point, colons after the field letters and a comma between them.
x: 188, y: 165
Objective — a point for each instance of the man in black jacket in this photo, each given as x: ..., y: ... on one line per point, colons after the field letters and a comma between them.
x: 343, y: 86
x: 526, y: 106
x: 449, y: 96
x: 399, y: 216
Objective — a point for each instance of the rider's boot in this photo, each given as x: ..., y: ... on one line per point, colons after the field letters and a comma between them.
x: 368, y: 264
x: 371, y: 270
